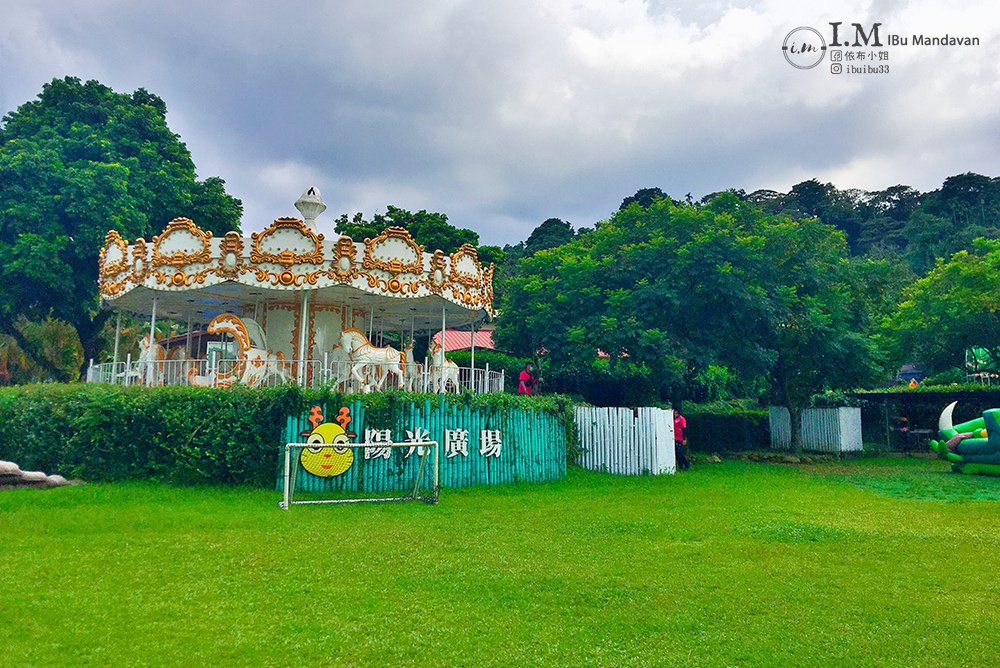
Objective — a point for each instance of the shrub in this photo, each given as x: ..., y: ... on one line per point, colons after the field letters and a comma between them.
x: 726, y: 427
x: 601, y: 385
x: 946, y: 377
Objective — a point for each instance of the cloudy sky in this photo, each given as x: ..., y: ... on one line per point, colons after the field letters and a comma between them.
x: 503, y: 114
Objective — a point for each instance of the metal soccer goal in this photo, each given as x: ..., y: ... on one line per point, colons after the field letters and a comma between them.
x: 316, y: 473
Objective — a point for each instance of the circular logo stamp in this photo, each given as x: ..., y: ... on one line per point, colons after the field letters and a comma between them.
x: 804, y: 48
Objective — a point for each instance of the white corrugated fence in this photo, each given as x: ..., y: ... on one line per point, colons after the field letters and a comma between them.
x: 823, y: 429
x: 630, y: 441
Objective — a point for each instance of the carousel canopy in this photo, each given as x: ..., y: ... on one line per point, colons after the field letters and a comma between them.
x: 196, y: 276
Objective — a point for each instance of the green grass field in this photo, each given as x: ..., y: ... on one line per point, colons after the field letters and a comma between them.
x: 878, y: 562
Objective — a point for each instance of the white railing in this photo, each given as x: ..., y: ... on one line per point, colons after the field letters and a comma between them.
x: 984, y: 378
x: 630, y: 441
x: 309, y: 373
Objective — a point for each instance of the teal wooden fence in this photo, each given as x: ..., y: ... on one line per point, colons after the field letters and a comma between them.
x: 521, y: 446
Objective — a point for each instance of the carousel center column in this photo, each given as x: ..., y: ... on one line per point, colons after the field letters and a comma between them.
x: 303, y: 337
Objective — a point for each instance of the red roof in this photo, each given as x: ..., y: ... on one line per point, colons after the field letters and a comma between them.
x: 458, y: 340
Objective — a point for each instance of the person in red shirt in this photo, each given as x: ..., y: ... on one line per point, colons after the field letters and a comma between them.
x: 526, y: 381
x: 680, y: 440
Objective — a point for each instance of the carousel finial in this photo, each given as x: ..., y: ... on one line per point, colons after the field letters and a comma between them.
x: 310, y: 205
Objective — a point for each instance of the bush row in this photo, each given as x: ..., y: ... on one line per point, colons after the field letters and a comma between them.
x: 724, y: 428
x: 183, y: 434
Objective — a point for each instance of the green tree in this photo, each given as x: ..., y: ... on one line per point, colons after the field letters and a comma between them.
x: 947, y: 220
x: 54, y: 342
x: 884, y: 214
x: 430, y: 230
x: 839, y: 208
x: 929, y: 237
x: 79, y: 160
x: 967, y: 199
x: 951, y: 309
x: 681, y: 295
x: 644, y: 197
x: 491, y: 254
x: 549, y: 234
x: 768, y: 201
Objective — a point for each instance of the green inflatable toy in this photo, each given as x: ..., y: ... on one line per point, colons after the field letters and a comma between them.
x: 973, y: 446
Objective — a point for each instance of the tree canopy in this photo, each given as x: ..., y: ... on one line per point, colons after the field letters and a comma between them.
x: 672, y: 293
x: 429, y: 229
x: 550, y: 233
x: 898, y: 221
x: 644, y: 197
x: 951, y: 309
x: 76, y: 162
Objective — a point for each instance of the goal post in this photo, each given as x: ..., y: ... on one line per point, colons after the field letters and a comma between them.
x: 315, y: 473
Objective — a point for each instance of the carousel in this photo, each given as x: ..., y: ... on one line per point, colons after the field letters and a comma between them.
x: 286, y: 305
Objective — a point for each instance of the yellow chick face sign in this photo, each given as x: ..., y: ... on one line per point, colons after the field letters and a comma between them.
x: 325, y: 459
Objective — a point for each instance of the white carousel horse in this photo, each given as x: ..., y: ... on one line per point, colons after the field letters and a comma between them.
x: 413, y: 370
x: 383, y: 361
x: 253, y: 366
x: 340, y: 367
x: 151, y: 359
x: 450, y: 374
x: 259, y: 365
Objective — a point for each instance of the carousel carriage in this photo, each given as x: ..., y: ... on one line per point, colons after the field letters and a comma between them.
x: 287, y: 305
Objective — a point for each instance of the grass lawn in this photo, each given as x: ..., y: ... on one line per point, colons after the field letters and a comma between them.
x: 891, y: 561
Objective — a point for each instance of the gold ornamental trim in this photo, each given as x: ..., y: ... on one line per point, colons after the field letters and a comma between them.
x: 285, y: 278
x: 436, y: 280
x: 277, y: 267
x: 180, y: 278
x: 111, y: 289
x: 231, y: 243
x: 394, y: 266
x: 287, y: 257
x: 180, y: 258
x: 393, y: 285
x: 468, y: 280
x: 344, y: 248
x: 488, y: 287
x: 113, y: 239
x: 140, y: 265
x: 464, y: 297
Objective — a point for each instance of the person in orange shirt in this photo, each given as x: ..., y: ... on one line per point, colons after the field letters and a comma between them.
x: 680, y: 440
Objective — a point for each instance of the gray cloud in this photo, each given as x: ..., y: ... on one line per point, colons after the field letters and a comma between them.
x: 504, y: 114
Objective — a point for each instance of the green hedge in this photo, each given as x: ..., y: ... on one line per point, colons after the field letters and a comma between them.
x: 718, y: 428
x: 184, y: 434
